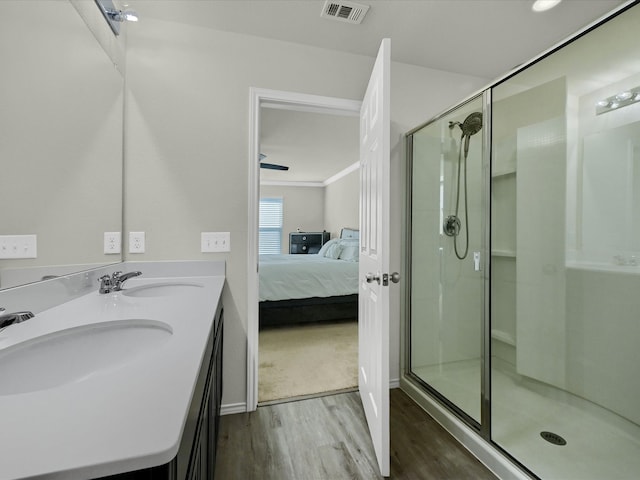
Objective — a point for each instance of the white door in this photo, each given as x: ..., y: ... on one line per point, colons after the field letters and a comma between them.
x: 373, y: 316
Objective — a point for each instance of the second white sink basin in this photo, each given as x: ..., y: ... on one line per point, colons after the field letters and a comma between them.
x: 160, y: 289
x: 77, y: 353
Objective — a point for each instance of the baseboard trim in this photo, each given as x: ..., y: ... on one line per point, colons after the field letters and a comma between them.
x: 233, y: 408
x: 394, y: 383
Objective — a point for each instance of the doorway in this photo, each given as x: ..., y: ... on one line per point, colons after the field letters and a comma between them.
x: 262, y: 99
x: 309, y: 193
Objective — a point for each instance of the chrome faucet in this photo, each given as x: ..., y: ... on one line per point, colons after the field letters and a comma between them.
x: 7, y: 319
x: 114, y: 282
x: 118, y: 278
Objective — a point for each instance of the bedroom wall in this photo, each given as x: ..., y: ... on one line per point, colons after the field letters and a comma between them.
x: 303, y: 208
x: 187, y: 137
x: 341, y: 204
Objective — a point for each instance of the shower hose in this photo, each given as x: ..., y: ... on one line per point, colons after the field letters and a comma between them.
x: 462, y: 161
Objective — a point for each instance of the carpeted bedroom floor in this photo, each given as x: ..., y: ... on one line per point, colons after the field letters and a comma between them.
x: 302, y: 360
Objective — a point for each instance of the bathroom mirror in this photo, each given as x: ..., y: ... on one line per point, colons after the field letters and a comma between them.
x: 611, y: 193
x: 61, y: 128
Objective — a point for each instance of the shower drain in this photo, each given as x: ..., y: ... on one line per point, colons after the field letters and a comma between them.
x: 553, y: 438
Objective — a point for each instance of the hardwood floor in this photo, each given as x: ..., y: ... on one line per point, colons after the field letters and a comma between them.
x: 326, y: 438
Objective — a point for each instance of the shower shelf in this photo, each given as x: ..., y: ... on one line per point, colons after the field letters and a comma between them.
x: 503, y: 253
x: 503, y: 173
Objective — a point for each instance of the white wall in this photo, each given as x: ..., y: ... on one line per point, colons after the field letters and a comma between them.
x: 342, y: 204
x: 114, y: 46
x: 187, y: 120
x: 303, y: 207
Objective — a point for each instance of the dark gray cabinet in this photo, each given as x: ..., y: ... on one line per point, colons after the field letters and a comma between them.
x: 307, y: 242
x: 196, y: 458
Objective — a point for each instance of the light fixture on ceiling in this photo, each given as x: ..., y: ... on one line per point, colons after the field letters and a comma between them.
x: 544, y: 5
x: 116, y: 16
x: 619, y: 100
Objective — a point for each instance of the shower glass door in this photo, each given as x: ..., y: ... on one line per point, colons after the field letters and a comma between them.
x: 447, y: 256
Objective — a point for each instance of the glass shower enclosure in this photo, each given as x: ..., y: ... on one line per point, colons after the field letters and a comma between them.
x: 447, y: 225
x: 523, y: 241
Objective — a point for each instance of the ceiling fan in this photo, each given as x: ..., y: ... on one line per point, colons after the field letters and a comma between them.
x: 270, y: 166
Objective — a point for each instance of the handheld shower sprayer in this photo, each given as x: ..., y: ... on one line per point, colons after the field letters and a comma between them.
x: 452, y: 226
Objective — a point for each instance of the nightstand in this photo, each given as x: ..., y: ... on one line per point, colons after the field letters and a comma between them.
x: 307, y: 242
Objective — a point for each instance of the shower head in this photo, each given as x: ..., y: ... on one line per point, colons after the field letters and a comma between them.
x: 472, y: 124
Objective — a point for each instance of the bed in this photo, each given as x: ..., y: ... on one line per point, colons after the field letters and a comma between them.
x: 312, y: 287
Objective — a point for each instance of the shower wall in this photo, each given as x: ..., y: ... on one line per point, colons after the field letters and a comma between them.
x: 540, y: 260
x: 426, y: 213
x: 527, y: 228
x: 602, y: 277
x: 602, y: 339
x: 442, y: 284
x: 446, y: 285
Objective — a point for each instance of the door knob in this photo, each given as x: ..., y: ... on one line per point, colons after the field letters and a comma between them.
x: 394, y: 277
x: 371, y: 277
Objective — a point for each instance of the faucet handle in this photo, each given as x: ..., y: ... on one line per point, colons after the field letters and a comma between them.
x: 105, y: 284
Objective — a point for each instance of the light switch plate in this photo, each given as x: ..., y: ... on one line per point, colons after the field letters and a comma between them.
x: 215, y: 242
x: 112, y: 242
x: 136, y: 242
x: 18, y: 246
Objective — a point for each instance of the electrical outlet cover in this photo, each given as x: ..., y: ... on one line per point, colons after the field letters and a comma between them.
x: 112, y: 243
x: 136, y: 242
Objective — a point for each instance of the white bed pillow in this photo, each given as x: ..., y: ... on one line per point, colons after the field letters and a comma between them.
x: 334, y: 251
x: 349, y: 251
x: 326, y: 246
x: 348, y: 233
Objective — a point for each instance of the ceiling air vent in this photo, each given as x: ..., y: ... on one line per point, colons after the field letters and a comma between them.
x: 350, y: 12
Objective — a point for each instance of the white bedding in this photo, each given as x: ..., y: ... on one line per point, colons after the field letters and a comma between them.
x: 285, y: 277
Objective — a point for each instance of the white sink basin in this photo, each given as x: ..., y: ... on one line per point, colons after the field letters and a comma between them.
x: 77, y: 353
x: 161, y: 289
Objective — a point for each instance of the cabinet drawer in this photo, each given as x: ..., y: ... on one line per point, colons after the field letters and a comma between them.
x: 307, y: 242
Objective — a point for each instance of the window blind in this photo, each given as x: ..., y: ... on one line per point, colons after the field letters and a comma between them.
x: 270, y: 226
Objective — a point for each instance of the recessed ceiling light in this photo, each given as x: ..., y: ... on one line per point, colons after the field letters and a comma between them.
x: 544, y: 5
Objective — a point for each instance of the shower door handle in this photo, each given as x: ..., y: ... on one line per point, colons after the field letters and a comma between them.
x: 476, y: 261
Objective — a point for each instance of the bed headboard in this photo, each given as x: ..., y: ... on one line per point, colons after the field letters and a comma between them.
x: 350, y: 233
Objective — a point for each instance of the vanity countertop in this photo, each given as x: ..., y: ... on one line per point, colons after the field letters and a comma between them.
x: 121, y: 418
